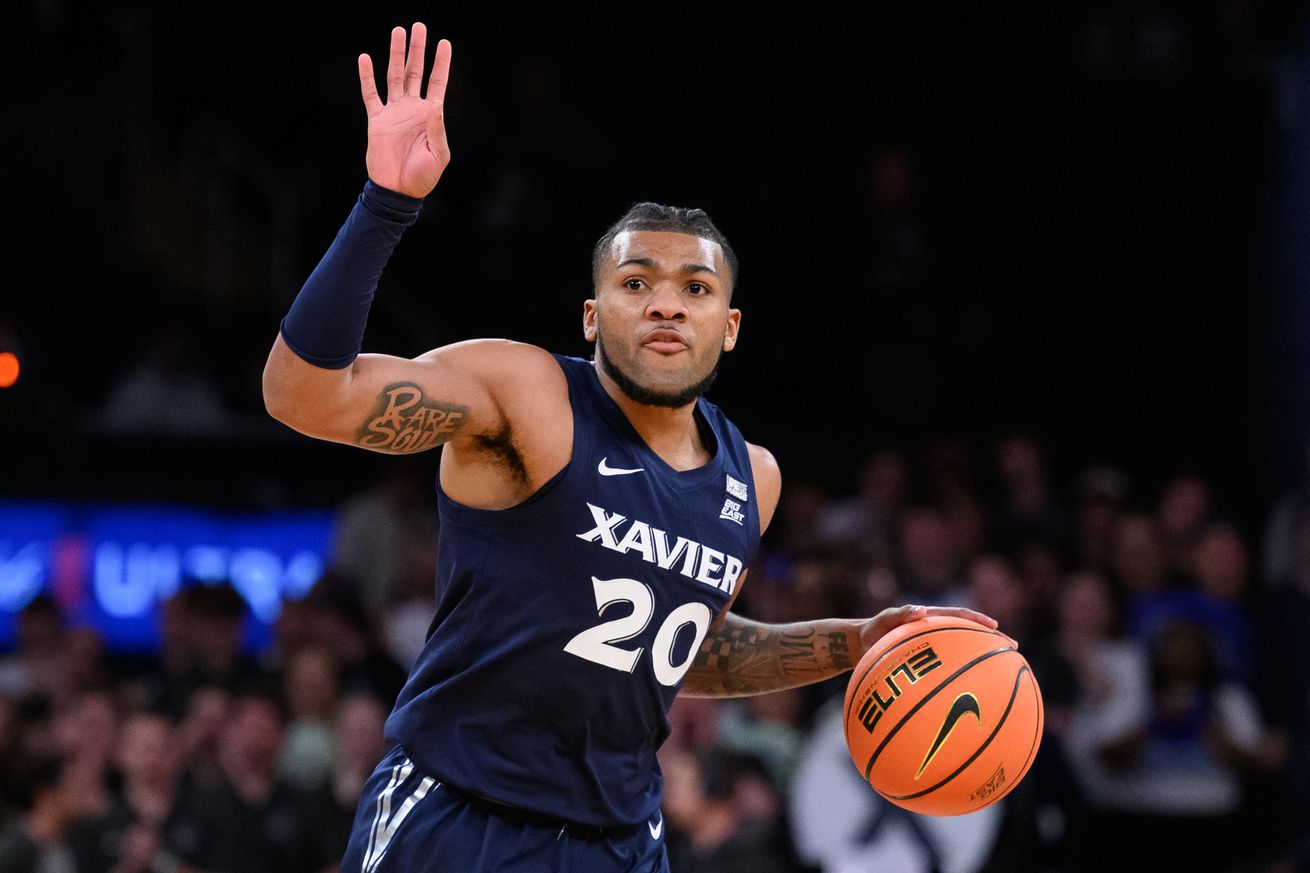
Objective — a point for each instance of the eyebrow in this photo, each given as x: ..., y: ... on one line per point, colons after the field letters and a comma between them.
x: 650, y: 262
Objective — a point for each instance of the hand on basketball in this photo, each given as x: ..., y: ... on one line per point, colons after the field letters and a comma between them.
x: 407, y: 148
x: 877, y: 627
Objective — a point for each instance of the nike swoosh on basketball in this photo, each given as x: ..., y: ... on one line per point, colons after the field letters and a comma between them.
x: 964, y: 704
x: 656, y: 829
x: 606, y: 470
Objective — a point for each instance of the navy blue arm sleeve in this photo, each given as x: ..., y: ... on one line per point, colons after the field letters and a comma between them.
x: 325, y: 325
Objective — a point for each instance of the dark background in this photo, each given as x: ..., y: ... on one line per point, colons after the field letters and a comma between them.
x: 1092, y: 235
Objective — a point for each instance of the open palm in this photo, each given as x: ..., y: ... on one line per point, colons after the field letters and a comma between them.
x: 407, y: 149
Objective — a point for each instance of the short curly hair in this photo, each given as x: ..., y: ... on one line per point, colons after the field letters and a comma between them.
x: 656, y: 216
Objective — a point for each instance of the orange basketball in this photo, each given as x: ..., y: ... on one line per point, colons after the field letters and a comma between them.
x: 943, y: 716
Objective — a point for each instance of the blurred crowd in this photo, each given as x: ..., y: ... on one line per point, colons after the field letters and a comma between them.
x: 1165, y: 638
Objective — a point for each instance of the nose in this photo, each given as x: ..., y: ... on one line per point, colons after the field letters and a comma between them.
x: 666, y: 304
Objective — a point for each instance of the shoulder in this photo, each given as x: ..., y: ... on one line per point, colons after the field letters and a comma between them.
x: 497, y: 358
x: 522, y: 380
x: 768, y: 481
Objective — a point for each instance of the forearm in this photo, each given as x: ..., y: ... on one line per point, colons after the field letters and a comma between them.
x: 322, y: 333
x: 740, y: 657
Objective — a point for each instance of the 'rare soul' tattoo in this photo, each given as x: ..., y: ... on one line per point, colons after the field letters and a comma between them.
x: 405, y: 421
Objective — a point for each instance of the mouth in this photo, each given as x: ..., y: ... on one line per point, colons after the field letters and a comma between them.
x: 665, y: 341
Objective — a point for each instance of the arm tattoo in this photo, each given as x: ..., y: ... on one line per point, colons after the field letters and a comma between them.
x: 740, y: 657
x: 405, y: 421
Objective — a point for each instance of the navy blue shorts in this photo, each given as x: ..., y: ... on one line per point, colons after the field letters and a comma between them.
x: 408, y: 821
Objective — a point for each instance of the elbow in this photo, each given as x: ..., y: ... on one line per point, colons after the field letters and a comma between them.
x: 277, y: 396
x: 273, y: 402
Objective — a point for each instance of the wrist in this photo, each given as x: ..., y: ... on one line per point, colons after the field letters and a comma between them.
x: 389, y: 203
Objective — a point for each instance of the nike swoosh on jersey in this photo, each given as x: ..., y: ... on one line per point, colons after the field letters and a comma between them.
x: 964, y: 704
x: 656, y: 829
x: 606, y: 470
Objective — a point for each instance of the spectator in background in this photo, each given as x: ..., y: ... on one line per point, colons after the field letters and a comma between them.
x: 200, y: 732
x: 165, y: 683
x: 358, y: 745
x: 949, y: 469
x: 820, y: 585
x: 864, y: 525
x: 1041, y: 572
x: 15, y: 761
x: 1214, y: 600
x: 217, y: 615
x: 1187, y: 761
x: 80, y: 664
x: 766, y: 727
x: 251, y: 821
x: 140, y: 832
x: 310, y: 683
x: 339, y: 623
x: 408, y: 616
x: 33, y: 841
x: 930, y: 570
x: 1137, y: 560
x: 293, y: 630
x: 1028, y: 510
x: 1280, y: 551
x: 85, y: 729
x: 30, y: 672
x: 967, y: 521
x: 709, y: 828
x: 165, y: 393
x: 376, y: 529
x: 1103, y: 493
x: 796, y: 523
x: 993, y: 582
x: 1182, y: 511
x: 1113, y: 700
x: 203, y: 630
x: 1050, y: 788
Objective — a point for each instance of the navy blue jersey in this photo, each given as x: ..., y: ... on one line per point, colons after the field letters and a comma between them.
x: 565, y: 624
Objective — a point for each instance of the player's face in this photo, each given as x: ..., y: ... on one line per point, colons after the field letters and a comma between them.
x: 661, y: 317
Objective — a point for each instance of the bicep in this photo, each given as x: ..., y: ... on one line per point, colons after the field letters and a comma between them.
x: 400, y: 405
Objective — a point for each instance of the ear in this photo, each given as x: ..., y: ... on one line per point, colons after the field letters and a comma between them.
x: 731, y: 329
x: 589, y: 320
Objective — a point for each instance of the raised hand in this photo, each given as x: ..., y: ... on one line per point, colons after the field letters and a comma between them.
x: 407, y: 149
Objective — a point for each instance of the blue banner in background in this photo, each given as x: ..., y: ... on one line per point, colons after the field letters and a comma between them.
x: 109, y: 567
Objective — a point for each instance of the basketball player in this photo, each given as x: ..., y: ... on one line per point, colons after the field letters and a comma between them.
x: 597, y: 522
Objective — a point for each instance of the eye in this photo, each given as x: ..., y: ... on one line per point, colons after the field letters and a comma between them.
x: 633, y: 284
x: 698, y: 288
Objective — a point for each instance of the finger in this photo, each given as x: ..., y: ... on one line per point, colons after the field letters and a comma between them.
x: 396, y: 65
x: 960, y: 612
x: 899, y: 615
x: 418, y: 40
x: 368, y: 87
x: 440, y: 72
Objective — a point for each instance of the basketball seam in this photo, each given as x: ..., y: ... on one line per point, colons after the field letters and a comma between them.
x: 982, y: 748
x: 1037, y: 737
x: 847, y: 716
x: 868, y: 768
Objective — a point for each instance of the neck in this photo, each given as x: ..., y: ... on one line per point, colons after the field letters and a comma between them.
x: 671, y: 433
